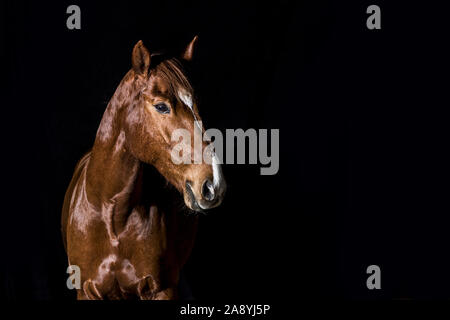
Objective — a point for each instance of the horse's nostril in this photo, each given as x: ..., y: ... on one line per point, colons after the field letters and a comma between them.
x: 208, y: 190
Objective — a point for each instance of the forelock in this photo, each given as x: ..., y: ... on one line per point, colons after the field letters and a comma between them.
x: 172, y: 72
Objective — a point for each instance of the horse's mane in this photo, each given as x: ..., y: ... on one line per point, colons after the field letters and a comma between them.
x: 171, y: 69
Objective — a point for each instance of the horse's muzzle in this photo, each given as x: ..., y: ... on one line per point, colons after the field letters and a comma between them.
x: 210, y: 196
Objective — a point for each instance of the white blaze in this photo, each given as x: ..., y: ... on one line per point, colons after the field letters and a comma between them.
x: 186, y: 98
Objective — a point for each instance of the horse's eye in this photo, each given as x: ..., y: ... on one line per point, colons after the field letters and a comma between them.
x: 162, y: 108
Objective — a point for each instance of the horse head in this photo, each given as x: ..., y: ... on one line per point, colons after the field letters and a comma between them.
x: 162, y: 101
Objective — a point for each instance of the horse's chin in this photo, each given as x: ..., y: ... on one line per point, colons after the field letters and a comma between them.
x: 195, y: 208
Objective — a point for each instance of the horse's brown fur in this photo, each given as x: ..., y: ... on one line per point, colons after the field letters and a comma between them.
x: 128, y: 239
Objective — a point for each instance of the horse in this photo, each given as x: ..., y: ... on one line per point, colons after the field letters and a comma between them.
x: 130, y: 214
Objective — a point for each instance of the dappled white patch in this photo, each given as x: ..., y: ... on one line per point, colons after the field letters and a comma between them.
x: 186, y: 97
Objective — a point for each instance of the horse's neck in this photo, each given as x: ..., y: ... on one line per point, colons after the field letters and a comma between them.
x: 111, y: 177
x: 112, y: 170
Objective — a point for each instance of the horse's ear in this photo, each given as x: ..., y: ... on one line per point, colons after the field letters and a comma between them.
x: 189, y: 51
x: 140, y: 58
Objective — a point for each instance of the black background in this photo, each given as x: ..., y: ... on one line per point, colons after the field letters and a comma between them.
x: 363, y: 140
